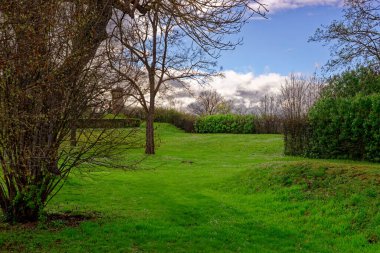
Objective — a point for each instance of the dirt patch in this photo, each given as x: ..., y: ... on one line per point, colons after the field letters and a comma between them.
x: 52, y: 221
x: 70, y: 219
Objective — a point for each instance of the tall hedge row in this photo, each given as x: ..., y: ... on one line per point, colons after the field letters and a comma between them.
x: 226, y: 123
x: 346, y: 128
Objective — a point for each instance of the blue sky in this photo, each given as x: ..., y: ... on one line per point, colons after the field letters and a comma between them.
x: 279, y: 43
x: 273, y: 48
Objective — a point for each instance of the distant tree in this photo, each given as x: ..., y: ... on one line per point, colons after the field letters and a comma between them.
x: 355, y: 39
x: 268, y: 114
x: 210, y: 102
x: 298, y: 94
x: 268, y: 105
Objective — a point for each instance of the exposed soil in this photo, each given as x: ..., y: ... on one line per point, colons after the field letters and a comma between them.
x: 53, y: 221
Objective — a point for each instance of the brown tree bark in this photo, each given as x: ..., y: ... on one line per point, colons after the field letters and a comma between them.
x: 149, y: 145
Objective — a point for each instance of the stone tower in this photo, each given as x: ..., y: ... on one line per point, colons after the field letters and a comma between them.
x: 117, y: 100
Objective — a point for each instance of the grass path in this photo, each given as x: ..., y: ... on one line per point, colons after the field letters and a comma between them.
x: 214, y: 193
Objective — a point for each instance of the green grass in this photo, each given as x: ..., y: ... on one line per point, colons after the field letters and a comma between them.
x: 214, y: 193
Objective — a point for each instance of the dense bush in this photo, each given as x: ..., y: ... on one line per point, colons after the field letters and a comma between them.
x: 346, y: 128
x: 344, y: 123
x: 227, y: 123
x: 181, y: 120
x: 363, y: 81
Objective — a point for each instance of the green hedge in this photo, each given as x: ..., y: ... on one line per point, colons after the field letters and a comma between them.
x: 226, y: 123
x: 347, y: 128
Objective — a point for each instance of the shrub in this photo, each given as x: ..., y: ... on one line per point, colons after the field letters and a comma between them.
x: 346, y: 128
x: 227, y: 123
x: 364, y: 81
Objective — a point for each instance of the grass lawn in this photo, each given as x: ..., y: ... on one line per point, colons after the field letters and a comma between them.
x: 213, y: 193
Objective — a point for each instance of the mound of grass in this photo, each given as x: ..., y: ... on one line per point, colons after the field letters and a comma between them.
x: 341, y: 200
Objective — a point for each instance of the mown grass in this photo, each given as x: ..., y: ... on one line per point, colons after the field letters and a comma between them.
x: 213, y: 193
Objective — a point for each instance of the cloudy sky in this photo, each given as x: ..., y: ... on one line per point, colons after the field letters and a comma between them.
x: 274, y: 47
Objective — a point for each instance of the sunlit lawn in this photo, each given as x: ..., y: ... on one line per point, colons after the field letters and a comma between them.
x: 213, y: 193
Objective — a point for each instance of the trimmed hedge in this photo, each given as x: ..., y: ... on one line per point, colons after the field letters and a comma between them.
x: 347, y: 128
x: 226, y: 123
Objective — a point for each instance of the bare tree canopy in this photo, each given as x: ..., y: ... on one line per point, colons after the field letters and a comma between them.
x: 355, y: 39
x: 298, y: 94
x: 210, y: 102
x: 148, y: 54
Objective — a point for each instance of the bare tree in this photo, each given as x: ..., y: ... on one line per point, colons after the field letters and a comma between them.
x: 151, y: 54
x: 209, y: 102
x: 268, y: 105
x: 355, y: 39
x: 268, y: 114
x: 298, y: 94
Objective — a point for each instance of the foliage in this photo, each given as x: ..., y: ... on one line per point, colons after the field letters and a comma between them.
x: 343, y: 123
x: 346, y: 128
x: 225, y: 123
x: 364, y: 81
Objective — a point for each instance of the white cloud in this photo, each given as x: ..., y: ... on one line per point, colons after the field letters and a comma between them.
x: 278, y: 5
x: 247, y: 86
x: 243, y: 87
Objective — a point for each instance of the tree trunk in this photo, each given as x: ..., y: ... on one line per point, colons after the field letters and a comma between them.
x: 26, y: 207
x: 149, y: 147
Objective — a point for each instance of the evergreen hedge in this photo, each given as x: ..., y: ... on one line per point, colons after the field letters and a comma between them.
x: 347, y: 128
x: 226, y: 123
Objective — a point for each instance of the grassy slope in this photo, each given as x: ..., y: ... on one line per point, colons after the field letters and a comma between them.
x: 215, y: 193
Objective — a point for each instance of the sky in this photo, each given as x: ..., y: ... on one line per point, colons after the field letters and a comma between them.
x: 275, y: 47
